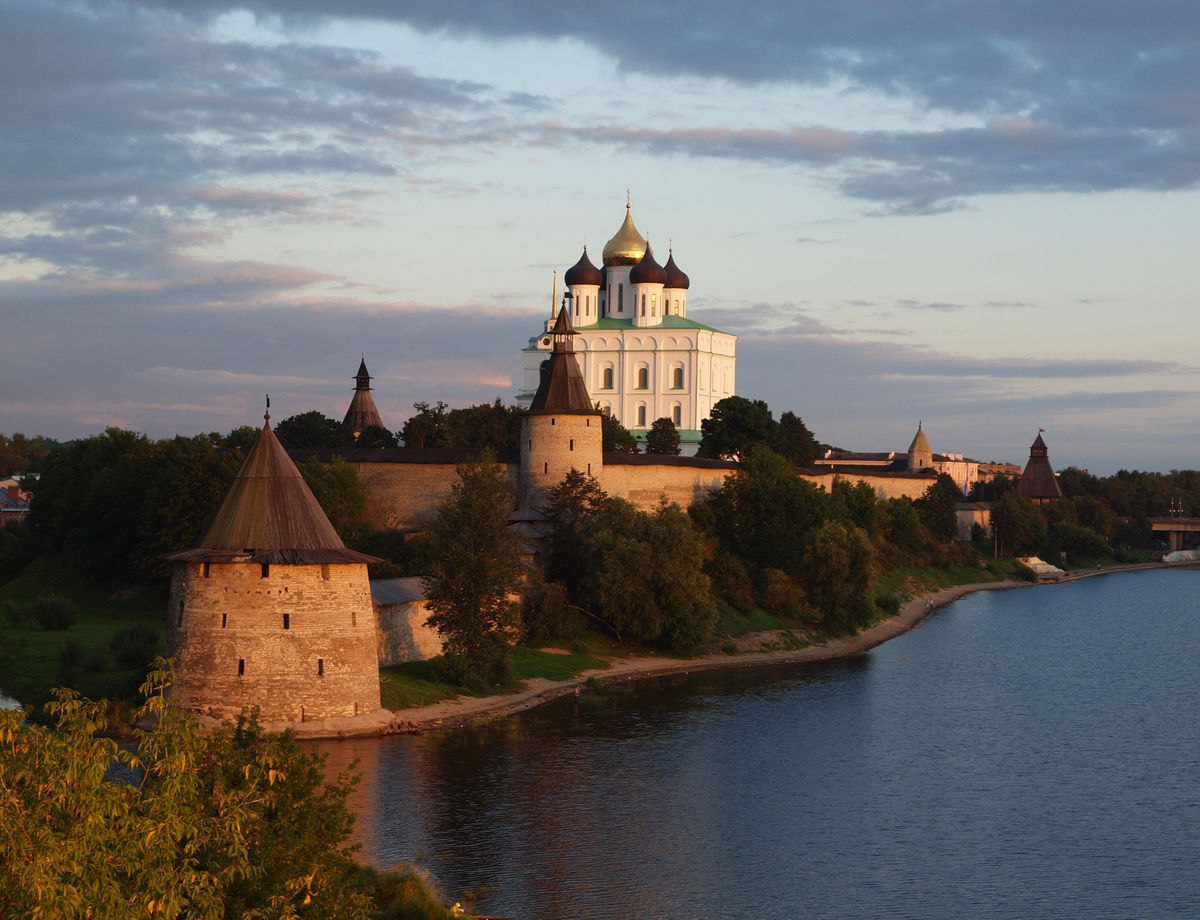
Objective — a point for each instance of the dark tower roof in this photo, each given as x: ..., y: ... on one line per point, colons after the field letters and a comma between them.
x: 362, y: 413
x: 675, y: 277
x: 647, y: 271
x: 562, y: 389
x: 1038, y: 482
x: 270, y: 515
x: 583, y: 272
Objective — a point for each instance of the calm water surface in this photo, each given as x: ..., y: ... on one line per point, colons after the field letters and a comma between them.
x: 1021, y: 753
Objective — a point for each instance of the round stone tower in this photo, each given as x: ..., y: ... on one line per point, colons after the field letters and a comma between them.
x: 561, y: 430
x: 272, y: 610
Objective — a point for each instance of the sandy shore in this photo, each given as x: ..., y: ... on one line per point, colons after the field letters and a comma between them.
x: 468, y: 710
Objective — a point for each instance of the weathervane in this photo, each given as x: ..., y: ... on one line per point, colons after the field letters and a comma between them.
x: 267, y: 414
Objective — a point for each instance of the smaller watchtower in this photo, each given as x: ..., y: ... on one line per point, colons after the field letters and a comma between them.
x: 920, y: 453
x: 362, y: 413
x: 561, y: 430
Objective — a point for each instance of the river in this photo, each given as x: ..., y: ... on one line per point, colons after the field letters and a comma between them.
x: 1020, y: 753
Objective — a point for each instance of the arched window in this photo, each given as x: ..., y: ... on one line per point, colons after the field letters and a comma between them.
x: 641, y: 416
x: 654, y: 305
x: 643, y: 305
x: 608, y: 379
x: 620, y: 298
x: 643, y: 378
x: 677, y: 415
x: 677, y: 378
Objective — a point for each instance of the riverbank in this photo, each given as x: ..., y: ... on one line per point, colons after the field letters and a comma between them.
x: 461, y: 711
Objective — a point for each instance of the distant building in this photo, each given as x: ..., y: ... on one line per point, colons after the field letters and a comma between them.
x: 1038, y: 482
x: 362, y: 413
x: 272, y: 610
x: 14, y: 503
x: 969, y: 515
x: 641, y: 357
x: 920, y: 456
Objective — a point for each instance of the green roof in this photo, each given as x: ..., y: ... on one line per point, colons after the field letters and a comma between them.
x: 668, y: 322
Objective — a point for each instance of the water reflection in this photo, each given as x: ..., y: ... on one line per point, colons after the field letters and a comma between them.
x: 1017, y: 753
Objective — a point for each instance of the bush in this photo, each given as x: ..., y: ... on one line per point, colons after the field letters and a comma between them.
x: 779, y: 594
x: 547, y: 612
x: 52, y: 611
x: 70, y: 655
x: 13, y: 614
x: 731, y: 581
x: 888, y: 604
x: 133, y: 646
x: 94, y: 660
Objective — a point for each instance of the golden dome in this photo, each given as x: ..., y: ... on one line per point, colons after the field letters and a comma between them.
x: 627, y: 247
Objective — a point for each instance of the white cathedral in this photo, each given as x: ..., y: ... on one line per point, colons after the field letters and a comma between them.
x: 641, y: 356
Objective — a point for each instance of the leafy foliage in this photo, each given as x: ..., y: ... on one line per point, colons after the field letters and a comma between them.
x: 51, y: 611
x: 22, y: 454
x: 734, y: 426
x: 135, y: 645
x: 1019, y: 525
x: 341, y: 495
x: 486, y: 425
x: 794, y: 441
x: 615, y: 437
x: 936, y: 508
x: 375, y: 436
x: 663, y: 438
x: 312, y: 429
x: 233, y: 823
x: 838, y: 576
x: 473, y: 569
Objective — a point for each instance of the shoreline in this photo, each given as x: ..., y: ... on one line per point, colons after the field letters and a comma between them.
x: 462, y: 711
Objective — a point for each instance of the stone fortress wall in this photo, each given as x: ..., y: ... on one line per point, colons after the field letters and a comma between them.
x: 324, y: 655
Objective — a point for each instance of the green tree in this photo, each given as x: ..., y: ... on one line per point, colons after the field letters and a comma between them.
x: 242, y: 438
x: 903, y: 527
x: 230, y: 823
x: 474, y: 569
x: 1019, y: 525
x: 311, y: 429
x: 645, y: 575
x: 837, y: 578
x: 428, y: 427
x: 735, y: 425
x: 615, y: 437
x: 341, y: 495
x: 937, y: 508
x: 571, y: 506
x: 375, y: 436
x: 794, y: 441
x: 765, y: 514
x: 857, y: 503
x: 663, y: 438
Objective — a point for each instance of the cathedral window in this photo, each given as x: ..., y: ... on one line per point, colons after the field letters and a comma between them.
x: 653, y: 304
x: 620, y: 298
x: 641, y: 416
x: 677, y: 378
x: 677, y: 416
x: 608, y: 378
x: 643, y: 378
x: 643, y: 305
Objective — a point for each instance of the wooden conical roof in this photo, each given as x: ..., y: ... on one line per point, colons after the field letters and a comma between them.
x: 270, y: 515
x: 562, y: 389
x: 1038, y: 482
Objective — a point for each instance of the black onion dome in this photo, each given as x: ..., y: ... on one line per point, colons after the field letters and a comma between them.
x: 647, y: 271
x: 582, y: 272
x: 675, y: 277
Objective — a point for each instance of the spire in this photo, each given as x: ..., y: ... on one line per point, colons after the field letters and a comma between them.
x: 562, y: 389
x: 363, y: 412
x: 1038, y: 482
x: 553, y: 293
x: 271, y: 516
x: 920, y: 453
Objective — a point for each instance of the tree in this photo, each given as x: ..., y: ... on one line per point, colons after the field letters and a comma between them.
x: 311, y: 429
x: 645, y: 575
x: 341, y: 495
x: 571, y: 505
x: 428, y: 428
x: 242, y: 438
x: 663, y: 438
x: 765, y: 514
x: 229, y: 823
x: 474, y: 569
x: 837, y: 576
x: 903, y: 525
x: 375, y: 436
x: 735, y: 425
x: 794, y: 441
x: 857, y: 503
x: 1018, y: 524
x: 938, y: 508
x: 615, y: 437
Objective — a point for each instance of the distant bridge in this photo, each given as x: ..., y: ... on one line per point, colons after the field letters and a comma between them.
x: 1175, y: 528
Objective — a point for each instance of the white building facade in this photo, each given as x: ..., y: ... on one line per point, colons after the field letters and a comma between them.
x: 642, y: 357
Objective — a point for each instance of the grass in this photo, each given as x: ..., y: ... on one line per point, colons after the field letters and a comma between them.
x: 415, y: 683
x: 736, y: 623
x: 29, y: 656
x: 932, y: 578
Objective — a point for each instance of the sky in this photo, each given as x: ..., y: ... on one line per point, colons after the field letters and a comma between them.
x: 979, y: 215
